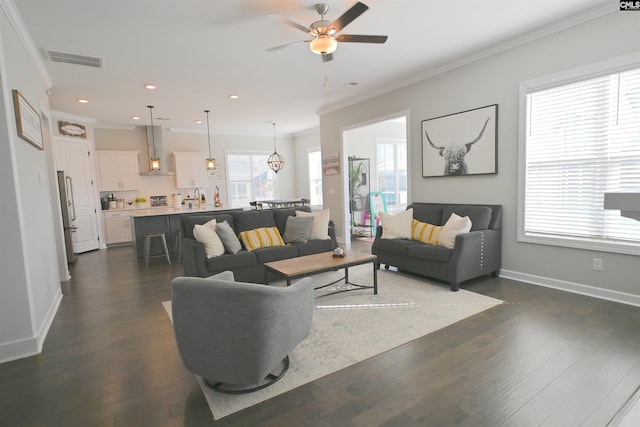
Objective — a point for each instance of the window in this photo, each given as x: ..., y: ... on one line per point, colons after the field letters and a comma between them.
x: 249, y: 178
x: 580, y: 139
x: 315, y: 178
x: 392, y: 172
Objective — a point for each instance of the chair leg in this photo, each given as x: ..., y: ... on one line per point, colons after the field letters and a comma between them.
x: 232, y: 389
x: 147, y: 246
x: 166, y: 250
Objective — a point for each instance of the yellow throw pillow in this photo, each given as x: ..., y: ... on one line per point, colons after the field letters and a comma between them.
x: 264, y: 237
x: 425, y: 232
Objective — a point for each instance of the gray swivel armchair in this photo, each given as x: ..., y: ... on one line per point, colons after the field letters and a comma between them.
x: 236, y: 335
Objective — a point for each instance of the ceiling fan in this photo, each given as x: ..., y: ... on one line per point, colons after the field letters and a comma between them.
x: 324, y: 33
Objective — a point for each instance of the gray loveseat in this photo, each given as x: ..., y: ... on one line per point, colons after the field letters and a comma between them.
x: 247, y: 266
x: 476, y: 253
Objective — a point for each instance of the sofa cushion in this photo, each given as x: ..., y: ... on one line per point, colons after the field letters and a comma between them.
x: 209, y: 238
x: 248, y: 220
x: 263, y: 237
x: 320, y: 229
x: 313, y: 247
x: 431, y: 214
x: 425, y: 232
x: 480, y: 216
x: 298, y: 229
x: 228, y: 237
x: 231, y: 261
x: 280, y: 215
x: 396, y: 226
x: 275, y: 253
x: 190, y: 220
x: 397, y: 246
x: 430, y: 252
x: 455, y: 225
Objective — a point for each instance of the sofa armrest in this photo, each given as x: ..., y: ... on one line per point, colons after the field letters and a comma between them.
x: 332, y: 233
x: 475, y: 253
x: 193, y: 258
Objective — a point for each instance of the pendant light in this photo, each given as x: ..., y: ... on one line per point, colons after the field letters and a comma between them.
x: 275, y: 161
x: 210, y: 163
x: 154, y: 161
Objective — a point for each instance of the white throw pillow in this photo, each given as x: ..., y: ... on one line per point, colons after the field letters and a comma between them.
x: 455, y: 225
x: 320, y: 228
x: 396, y: 226
x: 211, y: 224
x: 212, y: 244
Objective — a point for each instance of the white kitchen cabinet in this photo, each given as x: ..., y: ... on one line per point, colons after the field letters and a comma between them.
x: 117, y: 227
x: 190, y: 169
x: 118, y: 170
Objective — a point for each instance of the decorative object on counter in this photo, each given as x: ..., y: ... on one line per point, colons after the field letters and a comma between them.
x: 275, y: 161
x: 112, y: 201
x: 119, y: 203
x: 129, y: 202
x: 177, y: 200
x: 140, y: 201
x: 157, y: 201
x: 216, y: 197
x: 154, y: 161
x: 210, y: 162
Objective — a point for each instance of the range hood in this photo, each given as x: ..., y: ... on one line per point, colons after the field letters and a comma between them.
x: 159, y: 152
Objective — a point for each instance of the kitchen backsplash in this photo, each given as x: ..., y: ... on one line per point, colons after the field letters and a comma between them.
x: 155, y: 186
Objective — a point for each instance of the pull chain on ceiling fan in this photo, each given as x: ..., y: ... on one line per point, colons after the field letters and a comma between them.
x: 325, y: 39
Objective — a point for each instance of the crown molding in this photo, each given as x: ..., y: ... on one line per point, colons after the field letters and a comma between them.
x: 10, y: 10
x: 554, y: 27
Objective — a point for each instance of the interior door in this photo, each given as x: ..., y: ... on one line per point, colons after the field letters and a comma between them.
x: 75, y: 158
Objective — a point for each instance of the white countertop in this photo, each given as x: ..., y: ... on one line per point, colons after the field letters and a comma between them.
x: 169, y: 210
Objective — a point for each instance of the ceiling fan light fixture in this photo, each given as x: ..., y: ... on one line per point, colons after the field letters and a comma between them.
x: 323, y: 44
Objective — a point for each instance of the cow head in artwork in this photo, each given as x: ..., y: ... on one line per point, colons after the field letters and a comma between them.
x: 455, y: 153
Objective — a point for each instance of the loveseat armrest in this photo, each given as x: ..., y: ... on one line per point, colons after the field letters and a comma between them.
x: 194, y: 258
x: 475, y: 253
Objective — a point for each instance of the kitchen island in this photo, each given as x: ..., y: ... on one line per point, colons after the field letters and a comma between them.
x: 166, y: 220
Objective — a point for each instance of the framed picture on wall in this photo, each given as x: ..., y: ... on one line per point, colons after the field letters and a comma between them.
x: 464, y: 143
x: 75, y: 130
x: 27, y: 121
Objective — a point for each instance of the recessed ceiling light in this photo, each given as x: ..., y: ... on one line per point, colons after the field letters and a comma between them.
x: 83, y: 101
x: 150, y: 86
x: 234, y: 96
x: 198, y: 122
x: 135, y: 118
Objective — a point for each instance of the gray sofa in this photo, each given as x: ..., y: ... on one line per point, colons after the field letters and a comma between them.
x: 247, y: 266
x: 476, y: 253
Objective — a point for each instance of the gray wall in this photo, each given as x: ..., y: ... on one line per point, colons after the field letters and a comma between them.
x: 496, y: 79
x: 30, y: 215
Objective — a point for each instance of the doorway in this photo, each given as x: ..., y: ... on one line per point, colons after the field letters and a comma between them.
x: 383, y: 142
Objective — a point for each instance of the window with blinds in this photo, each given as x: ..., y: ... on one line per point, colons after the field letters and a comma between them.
x: 581, y: 139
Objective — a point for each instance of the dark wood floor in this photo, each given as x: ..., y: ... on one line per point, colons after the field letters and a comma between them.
x: 543, y: 358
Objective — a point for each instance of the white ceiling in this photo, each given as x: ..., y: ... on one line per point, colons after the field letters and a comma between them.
x: 199, y: 51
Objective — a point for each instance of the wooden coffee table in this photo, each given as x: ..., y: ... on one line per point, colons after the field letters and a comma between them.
x: 309, y: 265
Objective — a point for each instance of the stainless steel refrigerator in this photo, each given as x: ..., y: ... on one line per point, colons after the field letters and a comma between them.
x: 65, y: 186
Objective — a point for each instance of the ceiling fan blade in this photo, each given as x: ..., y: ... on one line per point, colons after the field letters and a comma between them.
x: 282, y: 46
x: 357, y: 38
x: 295, y: 25
x: 326, y: 57
x: 351, y: 14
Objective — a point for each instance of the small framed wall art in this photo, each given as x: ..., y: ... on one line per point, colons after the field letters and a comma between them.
x: 72, y: 129
x: 27, y: 121
x: 464, y: 143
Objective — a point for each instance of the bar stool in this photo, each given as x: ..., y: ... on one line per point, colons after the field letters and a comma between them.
x: 178, y: 246
x: 147, y: 246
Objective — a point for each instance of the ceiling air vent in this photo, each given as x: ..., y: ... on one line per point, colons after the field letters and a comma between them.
x: 73, y: 58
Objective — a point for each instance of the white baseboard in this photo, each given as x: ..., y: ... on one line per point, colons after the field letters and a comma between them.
x: 32, y: 345
x: 576, y: 288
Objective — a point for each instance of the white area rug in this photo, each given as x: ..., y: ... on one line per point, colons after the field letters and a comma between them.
x: 353, y: 326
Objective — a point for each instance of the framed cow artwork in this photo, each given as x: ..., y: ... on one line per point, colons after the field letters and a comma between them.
x: 464, y: 143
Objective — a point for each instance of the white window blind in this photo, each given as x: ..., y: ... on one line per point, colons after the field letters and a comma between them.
x: 582, y: 140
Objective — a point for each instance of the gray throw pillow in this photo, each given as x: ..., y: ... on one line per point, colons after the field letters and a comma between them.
x: 229, y: 239
x: 298, y: 229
